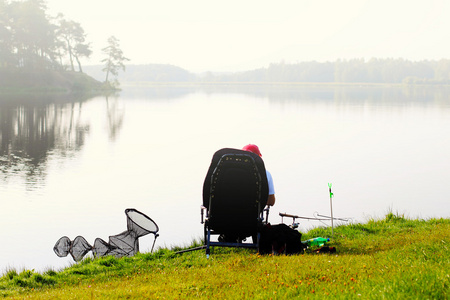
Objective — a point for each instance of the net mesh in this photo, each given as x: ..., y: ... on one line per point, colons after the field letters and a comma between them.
x: 122, y: 244
x: 80, y: 247
x: 101, y: 248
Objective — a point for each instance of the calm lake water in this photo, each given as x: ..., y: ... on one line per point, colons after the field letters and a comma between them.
x: 72, y: 166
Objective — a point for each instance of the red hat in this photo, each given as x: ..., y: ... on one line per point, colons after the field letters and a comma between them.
x: 252, y: 148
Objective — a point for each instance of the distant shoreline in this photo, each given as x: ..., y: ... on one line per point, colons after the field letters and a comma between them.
x: 275, y: 83
x: 85, y: 87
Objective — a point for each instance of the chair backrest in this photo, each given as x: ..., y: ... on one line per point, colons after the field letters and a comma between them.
x: 235, y: 191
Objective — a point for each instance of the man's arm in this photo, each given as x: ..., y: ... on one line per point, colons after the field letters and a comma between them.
x: 271, y: 200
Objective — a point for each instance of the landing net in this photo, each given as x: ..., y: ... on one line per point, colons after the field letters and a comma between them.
x: 122, y: 244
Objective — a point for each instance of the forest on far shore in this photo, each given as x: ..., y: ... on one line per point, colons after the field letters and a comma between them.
x: 390, y: 71
x: 349, y: 71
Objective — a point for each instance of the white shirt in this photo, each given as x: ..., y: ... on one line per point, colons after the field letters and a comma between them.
x: 270, y: 182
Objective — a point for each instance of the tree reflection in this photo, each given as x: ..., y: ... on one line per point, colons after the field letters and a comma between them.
x: 31, y: 132
x: 115, y: 117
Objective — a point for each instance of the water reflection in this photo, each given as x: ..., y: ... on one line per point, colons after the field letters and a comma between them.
x: 114, y: 116
x: 344, y: 94
x: 165, y: 92
x: 31, y: 131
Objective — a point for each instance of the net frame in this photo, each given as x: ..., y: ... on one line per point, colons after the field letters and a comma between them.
x: 122, y: 244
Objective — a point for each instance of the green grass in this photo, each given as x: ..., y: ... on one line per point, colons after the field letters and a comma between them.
x: 392, y: 258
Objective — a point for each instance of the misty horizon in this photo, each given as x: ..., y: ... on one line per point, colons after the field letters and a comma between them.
x: 258, y: 43
x: 279, y: 62
x: 202, y: 36
x: 388, y: 71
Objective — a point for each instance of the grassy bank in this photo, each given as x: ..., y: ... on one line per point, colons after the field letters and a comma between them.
x: 394, y: 258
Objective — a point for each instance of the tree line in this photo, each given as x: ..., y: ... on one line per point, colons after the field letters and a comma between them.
x: 391, y: 71
x: 32, y: 40
x: 346, y: 71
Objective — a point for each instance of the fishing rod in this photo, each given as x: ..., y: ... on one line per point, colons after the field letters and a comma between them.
x: 295, y: 225
x: 317, y: 216
x: 298, y: 217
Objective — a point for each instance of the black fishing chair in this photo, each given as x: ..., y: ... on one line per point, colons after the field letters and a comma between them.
x: 235, y: 193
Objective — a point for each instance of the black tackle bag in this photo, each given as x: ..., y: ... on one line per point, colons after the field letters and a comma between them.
x: 280, y: 239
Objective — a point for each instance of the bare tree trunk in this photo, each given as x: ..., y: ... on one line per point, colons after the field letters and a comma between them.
x: 79, y: 64
x: 70, y: 55
x: 107, y: 70
x: 107, y: 75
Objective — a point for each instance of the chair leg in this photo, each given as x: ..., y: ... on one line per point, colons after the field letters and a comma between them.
x: 258, y: 238
x: 208, y: 237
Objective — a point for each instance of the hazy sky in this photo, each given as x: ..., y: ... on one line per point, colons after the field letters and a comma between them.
x: 201, y: 35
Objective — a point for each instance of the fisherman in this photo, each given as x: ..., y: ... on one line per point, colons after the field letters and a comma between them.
x: 271, y: 199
